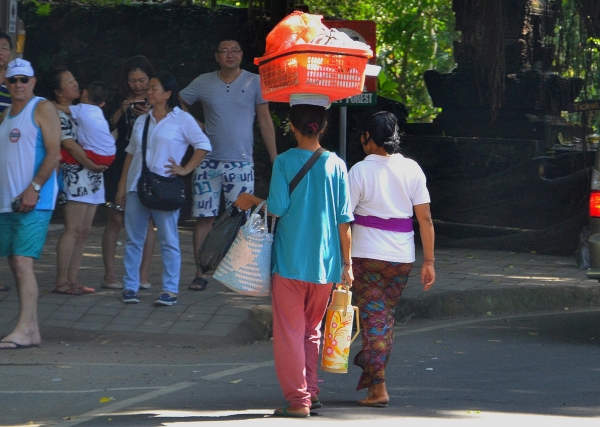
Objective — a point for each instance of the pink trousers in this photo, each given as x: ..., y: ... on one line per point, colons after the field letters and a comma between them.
x: 298, y: 309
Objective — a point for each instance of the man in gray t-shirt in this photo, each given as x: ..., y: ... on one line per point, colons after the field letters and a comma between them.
x: 231, y: 99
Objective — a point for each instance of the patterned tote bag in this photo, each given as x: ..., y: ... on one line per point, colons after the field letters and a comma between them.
x: 246, y: 268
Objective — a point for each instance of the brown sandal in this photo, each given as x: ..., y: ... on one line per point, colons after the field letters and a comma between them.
x: 66, y: 290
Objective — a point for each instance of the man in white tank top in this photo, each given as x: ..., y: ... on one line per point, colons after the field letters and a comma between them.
x: 30, y: 147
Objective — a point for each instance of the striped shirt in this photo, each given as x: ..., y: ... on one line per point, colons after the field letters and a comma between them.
x: 4, y: 97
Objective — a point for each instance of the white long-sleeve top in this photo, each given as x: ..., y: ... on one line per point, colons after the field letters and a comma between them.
x: 169, y: 138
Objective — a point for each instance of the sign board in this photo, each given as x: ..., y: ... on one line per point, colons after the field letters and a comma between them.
x: 363, y: 31
x: 578, y: 107
x: 12, y: 17
x: 365, y: 99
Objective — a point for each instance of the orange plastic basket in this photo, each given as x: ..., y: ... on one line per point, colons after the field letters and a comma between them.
x: 326, y: 70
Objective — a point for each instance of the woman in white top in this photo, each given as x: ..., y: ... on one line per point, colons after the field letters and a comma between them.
x: 170, y: 132
x: 384, y: 189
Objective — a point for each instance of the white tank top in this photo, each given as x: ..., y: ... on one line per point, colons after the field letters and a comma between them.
x: 22, y: 152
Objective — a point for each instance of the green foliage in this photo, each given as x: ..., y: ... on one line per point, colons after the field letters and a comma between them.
x: 413, y: 36
x: 387, y: 87
x: 42, y: 9
x: 577, y: 55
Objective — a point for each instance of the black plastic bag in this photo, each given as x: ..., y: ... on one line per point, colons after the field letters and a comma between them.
x: 220, y: 238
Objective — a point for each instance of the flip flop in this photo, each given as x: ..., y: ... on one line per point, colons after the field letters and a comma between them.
x: 283, y: 412
x: 66, y: 290
x: 83, y: 289
x: 372, y: 404
x: 86, y: 290
x: 315, y: 404
x: 17, y: 346
x: 198, y: 284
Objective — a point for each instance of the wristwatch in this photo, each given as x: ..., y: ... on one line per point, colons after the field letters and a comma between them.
x: 37, y: 187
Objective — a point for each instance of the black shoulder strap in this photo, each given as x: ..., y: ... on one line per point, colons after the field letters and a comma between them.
x: 144, y: 139
x: 304, y: 170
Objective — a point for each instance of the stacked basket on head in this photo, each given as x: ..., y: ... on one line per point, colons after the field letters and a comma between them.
x: 300, y: 60
x: 303, y: 57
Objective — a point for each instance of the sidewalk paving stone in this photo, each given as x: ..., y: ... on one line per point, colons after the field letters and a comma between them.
x: 469, y: 282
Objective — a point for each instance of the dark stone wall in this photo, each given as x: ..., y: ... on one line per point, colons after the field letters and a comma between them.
x: 92, y: 42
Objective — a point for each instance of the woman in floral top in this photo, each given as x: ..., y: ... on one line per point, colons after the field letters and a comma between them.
x: 83, y: 187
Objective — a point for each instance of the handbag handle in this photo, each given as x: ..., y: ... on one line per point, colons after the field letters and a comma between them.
x: 265, y: 222
x: 356, y: 311
x: 144, y: 141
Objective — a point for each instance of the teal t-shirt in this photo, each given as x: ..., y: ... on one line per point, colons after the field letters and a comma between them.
x: 307, y: 243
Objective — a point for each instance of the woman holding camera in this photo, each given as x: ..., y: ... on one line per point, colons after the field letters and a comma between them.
x: 170, y: 131
x: 132, y: 104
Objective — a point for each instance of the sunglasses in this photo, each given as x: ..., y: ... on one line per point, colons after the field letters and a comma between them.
x: 13, y: 80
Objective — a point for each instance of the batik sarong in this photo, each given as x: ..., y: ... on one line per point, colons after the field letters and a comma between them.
x: 377, y: 288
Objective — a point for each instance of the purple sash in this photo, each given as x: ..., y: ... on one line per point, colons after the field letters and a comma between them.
x: 403, y: 225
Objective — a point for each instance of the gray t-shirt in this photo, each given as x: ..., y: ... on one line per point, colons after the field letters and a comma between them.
x: 229, y: 111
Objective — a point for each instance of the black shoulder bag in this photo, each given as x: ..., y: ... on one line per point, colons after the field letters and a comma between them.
x: 156, y: 191
x: 306, y: 167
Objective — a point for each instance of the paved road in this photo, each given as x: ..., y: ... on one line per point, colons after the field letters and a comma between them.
x: 480, y: 372
x: 187, y: 360
x: 469, y: 282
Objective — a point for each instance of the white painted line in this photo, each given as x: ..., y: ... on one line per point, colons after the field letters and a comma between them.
x: 228, y: 372
x: 67, y: 365
x: 125, y: 403
x: 77, y: 391
x: 117, y: 406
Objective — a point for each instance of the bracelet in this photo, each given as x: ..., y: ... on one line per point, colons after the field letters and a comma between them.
x: 347, y: 264
x: 430, y: 261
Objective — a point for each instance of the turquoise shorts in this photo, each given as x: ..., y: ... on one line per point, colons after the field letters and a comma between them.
x: 24, y: 234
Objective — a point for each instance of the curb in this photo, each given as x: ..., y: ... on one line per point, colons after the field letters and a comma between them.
x: 497, y: 302
x: 467, y: 304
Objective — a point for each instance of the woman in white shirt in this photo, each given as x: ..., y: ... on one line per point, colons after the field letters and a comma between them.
x: 171, y: 130
x: 384, y: 189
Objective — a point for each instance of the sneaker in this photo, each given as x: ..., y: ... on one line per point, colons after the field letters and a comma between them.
x: 145, y: 286
x: 130, y: 297
x: 165, y: 299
